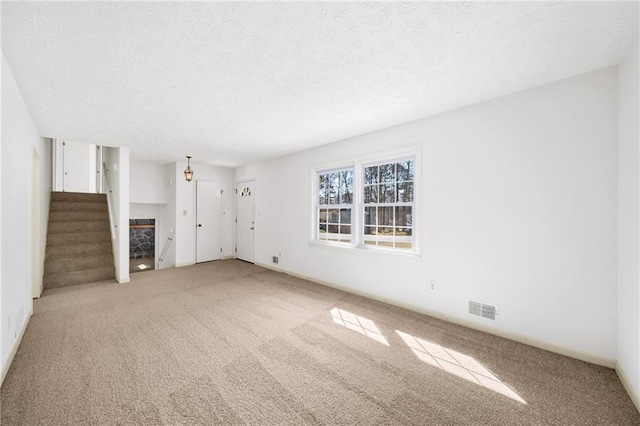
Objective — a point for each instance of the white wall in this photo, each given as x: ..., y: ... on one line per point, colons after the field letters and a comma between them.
x: 147, y: 183
x: 170, y: 177
x: 46, y: 186
x: 149, y: 195
x: 19, y: 138
x: 44, y: 152
x: 185, y: 201
x: 519, y: 210
x: 117, y: 160
x: 4, y: 365
x: 628, y: 350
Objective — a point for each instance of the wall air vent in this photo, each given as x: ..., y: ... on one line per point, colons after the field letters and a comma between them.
x: 483, y: 310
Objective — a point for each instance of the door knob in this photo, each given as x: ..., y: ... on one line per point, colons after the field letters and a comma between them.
x: 252, y: 228
x: 199, y: 225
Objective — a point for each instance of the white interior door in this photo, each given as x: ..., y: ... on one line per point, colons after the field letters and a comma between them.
x: 79, y: 167
x: 245, y: 226
x: 208, y: 221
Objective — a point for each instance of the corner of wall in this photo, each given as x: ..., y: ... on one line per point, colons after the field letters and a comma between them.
x: 20, y: 136
x: 627, y: 386
x: 3, y: 366
x: 14, y: 349
x: 628, y: 225
x: 122, y: 269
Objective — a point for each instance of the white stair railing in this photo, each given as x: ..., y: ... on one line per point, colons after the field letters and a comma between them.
x: 166, y: 246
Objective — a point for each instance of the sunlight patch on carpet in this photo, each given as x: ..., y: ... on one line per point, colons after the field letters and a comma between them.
x: 359, y: 324
x: 458, y: 364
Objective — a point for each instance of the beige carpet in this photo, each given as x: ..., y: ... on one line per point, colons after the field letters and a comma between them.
x: 231, y: 343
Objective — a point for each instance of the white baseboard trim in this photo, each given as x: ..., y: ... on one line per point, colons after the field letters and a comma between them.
x: 627, y: 385
x: 605, y: 362
x: 16, y: 345
x: 123, y: 280
x: 179, y: 265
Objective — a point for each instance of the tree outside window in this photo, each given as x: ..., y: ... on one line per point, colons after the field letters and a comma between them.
x: 335, y: 204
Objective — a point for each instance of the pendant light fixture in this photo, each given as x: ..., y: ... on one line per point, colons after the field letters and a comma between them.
x: 188, y: 172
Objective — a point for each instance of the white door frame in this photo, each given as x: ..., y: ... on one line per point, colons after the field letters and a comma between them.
x: 93, y: 166
x: 221, y: 216
x: 238, y: 183
x: 57, y: 171
x: 99, y: 170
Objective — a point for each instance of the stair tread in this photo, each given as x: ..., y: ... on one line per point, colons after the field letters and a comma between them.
x: 69, y: 251
x: 58, y: 221
x: 87, y: 232
x: 72, y: 196
x: 83, y: 209
x: 80, y: 201
x: 84, y: 234
x: 64, y: 279
x: 62, y: 273
x: 100, y: 200
x: 78, y: 216
x: 83, y: 257
x: 73, y: 238
x: 78, y: 227
x: 81, y: 270
x: 78, y: 222
x: 84, y: 245
x: 77, y: 263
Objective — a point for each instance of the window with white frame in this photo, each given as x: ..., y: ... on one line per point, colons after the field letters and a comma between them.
x: 388, y: 206
x: 368, y: 205
x: 334, y: 205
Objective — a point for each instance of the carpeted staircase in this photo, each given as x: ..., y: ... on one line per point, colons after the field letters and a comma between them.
x: 78, y: 241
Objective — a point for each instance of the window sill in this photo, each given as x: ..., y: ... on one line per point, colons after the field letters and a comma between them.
x: 363, y: 248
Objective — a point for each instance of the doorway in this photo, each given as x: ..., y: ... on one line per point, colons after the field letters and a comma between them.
x: 208, y: 221
x: 142, y: 245
x: 245, y: 221
x: 75, y: 169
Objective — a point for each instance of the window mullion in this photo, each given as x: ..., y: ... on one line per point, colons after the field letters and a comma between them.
x: 358, y: 212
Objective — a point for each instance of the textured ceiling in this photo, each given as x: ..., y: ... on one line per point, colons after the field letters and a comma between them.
x: 234, y: 83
